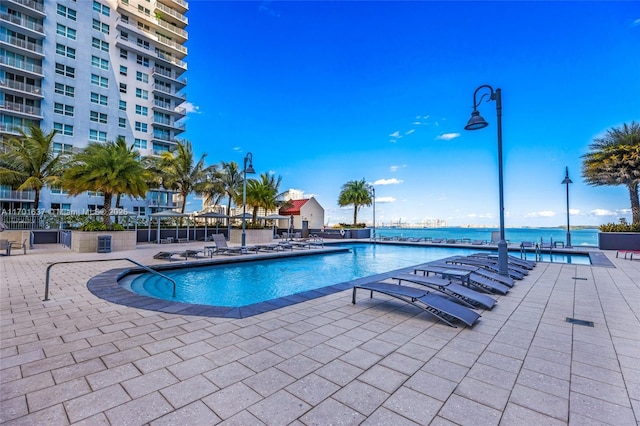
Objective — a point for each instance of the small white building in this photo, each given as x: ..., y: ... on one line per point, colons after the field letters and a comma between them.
x: 306, y: 211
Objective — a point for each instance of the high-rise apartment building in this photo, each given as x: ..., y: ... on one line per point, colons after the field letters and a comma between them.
x: 94, y: 70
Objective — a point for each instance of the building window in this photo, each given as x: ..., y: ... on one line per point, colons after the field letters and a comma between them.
x: 99, y: 99
x: 144, y: 10
x: 63, y: 129
x: 62, y: 148
x: 98, y: 117
x: 99, y: 80
x: 100, y: 44
x: 124, y: 35
x: 99, y: 26
x: 124, y: 54
x: 142, y: 60
x: 66, y: 12
x: 141, y: 127
x: 99, y: 63
x: 122, y: 122
x: 101, y: 8
x: 123, y: 88
x: 142, y: 94
x: 140, y: 211
x: 142, y: 43
x: 140, y: 143
x: 122, y: 105
x: 65, y: 31
x: 160, y: 148
x: 67, y: 51
x: 65, y: 70
x: 140, y: 76
x: 142, y: 110
x: 63, y: 109
x: 97, y: 136
x: 63, y: 89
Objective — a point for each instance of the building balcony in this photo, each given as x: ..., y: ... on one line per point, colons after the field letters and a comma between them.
x: 179, y: 5
x: 168, y: 108
x: 20, y: 45
x: 171, y: 76
x: 8, y: 194
x: 20, y: 24
x: 173, y: 29
x: 170, y: 92
x: 172, y: 13
x: 177, y: 47
x: 30, y: 111
x: 22, y: 66
x: 30, y: 6
x: 169, y: 124
x: 21, y: 88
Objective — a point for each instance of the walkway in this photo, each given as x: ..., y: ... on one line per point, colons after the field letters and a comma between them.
x: 77, y: 359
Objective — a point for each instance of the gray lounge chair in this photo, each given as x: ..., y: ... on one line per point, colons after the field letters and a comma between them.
x: 168, y: 255
x: 443, y: 309
x: 223, y: 248
x: 487, y: 264
x: 465, y: 295
x: 513, y: 261
x: 507, y: 281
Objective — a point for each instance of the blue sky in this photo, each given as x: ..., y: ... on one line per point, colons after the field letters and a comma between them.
x: 322, y: 93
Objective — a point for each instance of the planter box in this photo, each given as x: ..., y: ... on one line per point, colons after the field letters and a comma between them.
x: 253, y: 236
x: 87, y: 242
x: 360, y: 233
x: 619, y: 240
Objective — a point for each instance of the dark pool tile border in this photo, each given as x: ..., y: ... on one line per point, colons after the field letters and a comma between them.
x: 106, y: 287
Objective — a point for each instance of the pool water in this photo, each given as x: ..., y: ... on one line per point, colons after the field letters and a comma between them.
x: 235, y: 285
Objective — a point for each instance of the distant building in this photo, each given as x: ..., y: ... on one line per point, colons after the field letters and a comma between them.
x: 305, y: 210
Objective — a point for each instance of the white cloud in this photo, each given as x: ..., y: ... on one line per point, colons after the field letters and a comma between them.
x: 480, y: 216
x: 393, y: 140
x: 190, y: 108
x: 396, y: 134
x: 574, y: 211
x: 602, y: 212
x: 448, y: 136
x: 409, y: 132
x: 417, y: 123
x: 396, y: 168
x: 543, y: 213
x: 636, y: 22
x: 392, y: 181
x: 237, y: 149
x: 385, y: 200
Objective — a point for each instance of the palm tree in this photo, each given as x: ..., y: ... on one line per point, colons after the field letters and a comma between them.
x: 29, y: 161
x: 356, y: 193
x: 263, y: 193
x: 182, y: 174
x: 615, y: 160
x: 230, y: 182
x: 111, y: 168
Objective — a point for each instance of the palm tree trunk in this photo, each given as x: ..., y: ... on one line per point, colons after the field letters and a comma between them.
x: 117, y: 205
x: 635, y: 203
x: 106, y: 213
x: 355, y: 214
x: 36, y: 200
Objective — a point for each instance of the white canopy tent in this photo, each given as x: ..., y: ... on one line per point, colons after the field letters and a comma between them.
x: 211, y: 215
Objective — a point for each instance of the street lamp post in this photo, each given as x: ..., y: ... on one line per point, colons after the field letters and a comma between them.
x: 247, y: 169
x: 567, y: 181
x: 477, y: 122
x: 373, y: 192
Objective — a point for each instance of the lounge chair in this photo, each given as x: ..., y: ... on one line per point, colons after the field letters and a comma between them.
x: 515, y: 261
x: 437, y: 240
x: 443, y: 309
x: 462, y: 294
x: 478, y: 242
x: 168, y: 255
x: 507, y: 281
x: 223, y: 248
x: 489, y: 265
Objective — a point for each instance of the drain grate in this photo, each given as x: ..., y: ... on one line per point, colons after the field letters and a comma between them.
x: 579, y: 278
x: 580, y: 322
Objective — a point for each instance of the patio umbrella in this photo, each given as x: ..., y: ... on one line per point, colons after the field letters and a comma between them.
x: 167, y: 213
x: 211, y: 215
x: 275, y: 217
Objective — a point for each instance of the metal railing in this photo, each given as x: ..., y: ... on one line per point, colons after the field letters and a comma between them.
x: 153, y: 271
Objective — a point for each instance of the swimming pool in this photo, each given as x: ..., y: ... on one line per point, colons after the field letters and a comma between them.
x: 246, y: 283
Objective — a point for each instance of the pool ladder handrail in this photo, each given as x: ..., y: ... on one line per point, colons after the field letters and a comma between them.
x: 153, y: 271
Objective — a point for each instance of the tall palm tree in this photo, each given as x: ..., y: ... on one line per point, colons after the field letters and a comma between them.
x: 615, y: 160
x: 111, y: 168
x: 181, y: 173
x: 229, y: 182
x: 28, y: 161
x: 356, y: 193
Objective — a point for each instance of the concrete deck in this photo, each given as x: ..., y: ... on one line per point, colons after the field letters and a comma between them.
x: 79, y: 359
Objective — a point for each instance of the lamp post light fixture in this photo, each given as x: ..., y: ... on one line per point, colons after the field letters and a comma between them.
x: 248, y: 168
x: 567, y: 181
x: 476, y: 122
